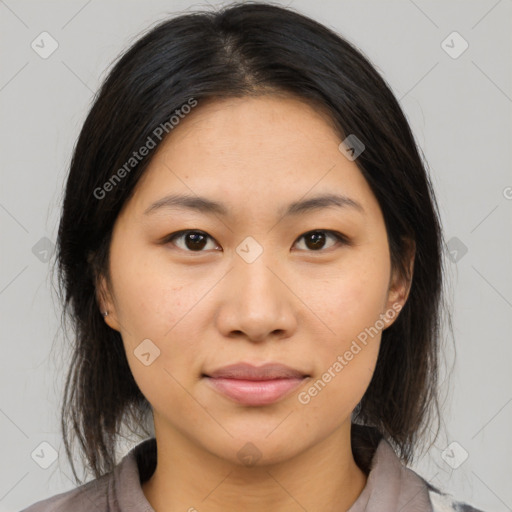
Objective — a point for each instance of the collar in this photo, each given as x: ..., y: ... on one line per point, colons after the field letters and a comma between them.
x: 390, y: 486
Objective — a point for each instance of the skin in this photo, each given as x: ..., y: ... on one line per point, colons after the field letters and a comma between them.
x: 295, y: 304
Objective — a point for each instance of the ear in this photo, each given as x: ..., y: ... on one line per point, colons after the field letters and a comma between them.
x: 400, y: 285
x: 106, y: 303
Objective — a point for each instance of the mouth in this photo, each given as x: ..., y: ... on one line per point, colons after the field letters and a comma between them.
x: 255, y: 385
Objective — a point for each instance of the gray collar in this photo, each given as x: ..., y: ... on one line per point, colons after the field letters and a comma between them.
x: 391, y: 486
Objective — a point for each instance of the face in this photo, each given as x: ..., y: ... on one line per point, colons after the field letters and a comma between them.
x: 255, y: 281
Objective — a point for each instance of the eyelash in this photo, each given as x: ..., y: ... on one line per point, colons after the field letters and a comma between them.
x: 335, y: 234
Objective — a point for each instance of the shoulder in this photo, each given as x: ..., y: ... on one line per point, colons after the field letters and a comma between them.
x: 87, y: 497
x: 116, y: 491
x: 442, y: 502
x: 391, y: 482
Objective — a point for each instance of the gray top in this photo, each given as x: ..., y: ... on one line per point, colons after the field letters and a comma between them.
x: 391, y: 487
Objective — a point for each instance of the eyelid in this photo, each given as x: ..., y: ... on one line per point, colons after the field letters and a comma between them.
x: 340, y: 238
x: 177, y: 234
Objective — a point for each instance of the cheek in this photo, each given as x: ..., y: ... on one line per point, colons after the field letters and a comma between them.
x: 350, y: 306
x: 151, y: 298
x: 347, y: 356
x: 353, y: 300
x: 154, y: 304
x: 163, y: 314
x: 332, y: 396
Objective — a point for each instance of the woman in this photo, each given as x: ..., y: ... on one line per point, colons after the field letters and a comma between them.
x: 251, y: 257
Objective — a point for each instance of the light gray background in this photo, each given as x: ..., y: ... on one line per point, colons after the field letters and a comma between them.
x: 460, y: 112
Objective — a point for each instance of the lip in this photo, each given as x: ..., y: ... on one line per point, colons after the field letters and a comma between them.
x: 255, y: 385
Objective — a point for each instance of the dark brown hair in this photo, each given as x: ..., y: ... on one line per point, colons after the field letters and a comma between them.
x: 243, y: 50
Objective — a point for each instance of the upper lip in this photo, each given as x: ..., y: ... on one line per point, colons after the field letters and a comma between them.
x: 246, y: 371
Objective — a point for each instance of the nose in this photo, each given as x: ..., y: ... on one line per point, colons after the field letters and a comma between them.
x: 257, y: 302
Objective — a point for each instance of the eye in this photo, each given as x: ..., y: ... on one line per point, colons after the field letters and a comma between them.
x: 315, y: 240
x: 195, y: 241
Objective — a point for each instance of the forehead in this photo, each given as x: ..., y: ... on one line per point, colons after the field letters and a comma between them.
x: 256, y: 153
x: 255, y: 121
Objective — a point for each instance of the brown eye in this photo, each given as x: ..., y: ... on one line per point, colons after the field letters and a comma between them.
x: 196, y: 241
x: 316, y: 240
x: 192, y: 241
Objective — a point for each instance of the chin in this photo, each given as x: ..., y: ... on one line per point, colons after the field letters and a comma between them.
x: 257, y: 447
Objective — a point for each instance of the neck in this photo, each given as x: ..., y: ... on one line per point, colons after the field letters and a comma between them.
x: 188, y: 478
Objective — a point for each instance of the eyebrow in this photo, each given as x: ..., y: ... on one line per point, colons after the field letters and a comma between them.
x: 208, y: 206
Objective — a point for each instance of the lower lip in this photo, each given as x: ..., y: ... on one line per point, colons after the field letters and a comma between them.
x: 255, y: 392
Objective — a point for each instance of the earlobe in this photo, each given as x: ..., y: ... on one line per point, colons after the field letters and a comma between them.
x: 397, y: 298
x: 399, y: 291
x: 110, y: 320
x: 105, y: 304
x: 400, y: 285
